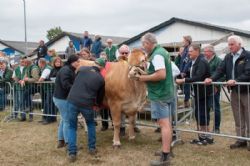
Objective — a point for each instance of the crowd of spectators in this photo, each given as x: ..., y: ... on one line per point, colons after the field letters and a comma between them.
x: 40, y: 75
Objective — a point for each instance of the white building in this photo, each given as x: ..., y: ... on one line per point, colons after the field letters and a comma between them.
x: 170, y: 34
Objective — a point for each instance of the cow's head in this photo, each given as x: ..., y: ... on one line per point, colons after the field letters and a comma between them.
x: 137, y: 58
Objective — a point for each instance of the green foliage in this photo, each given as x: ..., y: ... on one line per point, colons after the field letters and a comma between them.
x: 53, y: 32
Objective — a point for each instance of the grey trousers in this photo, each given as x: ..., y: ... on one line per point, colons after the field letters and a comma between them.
x: 240, y: 103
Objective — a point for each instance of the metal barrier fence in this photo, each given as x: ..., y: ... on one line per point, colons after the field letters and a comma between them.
x: 234, y: 123
x: 36, y: 99
x: 33, y: 99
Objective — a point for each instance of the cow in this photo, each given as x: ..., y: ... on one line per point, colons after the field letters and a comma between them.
x: 123, y: 94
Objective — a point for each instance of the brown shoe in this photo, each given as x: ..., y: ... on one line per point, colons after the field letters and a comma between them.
x: 60, y: 144
x: 248, y: 145
x: 238, y: 144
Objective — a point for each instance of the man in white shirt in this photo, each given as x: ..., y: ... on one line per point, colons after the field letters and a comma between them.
x: 46, y: 93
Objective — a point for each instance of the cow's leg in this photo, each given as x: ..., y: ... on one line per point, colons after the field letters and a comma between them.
x: 131, y: 127
x: 116, y: 117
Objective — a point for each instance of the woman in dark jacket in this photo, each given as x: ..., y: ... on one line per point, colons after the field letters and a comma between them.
x: 63, y: 83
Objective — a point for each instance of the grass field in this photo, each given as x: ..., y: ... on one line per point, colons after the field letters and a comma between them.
x: 31, y: 144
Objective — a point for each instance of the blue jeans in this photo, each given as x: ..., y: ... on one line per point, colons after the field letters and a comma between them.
x: 28, y: 101
x: 64, y: 124
x: 186, y: 90
x: 214, y: 104
x: 19, y: 103
x: 88, y: 114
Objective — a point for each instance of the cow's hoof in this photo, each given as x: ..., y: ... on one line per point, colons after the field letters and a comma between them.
x: 116, y: 147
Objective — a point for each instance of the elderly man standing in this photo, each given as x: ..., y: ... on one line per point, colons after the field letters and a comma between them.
x: 110, y: 50
x: 160, y: 91
x: 236, y: 68
x: 214, y: 100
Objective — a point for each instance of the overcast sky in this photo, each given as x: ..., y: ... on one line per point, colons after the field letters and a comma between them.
x: 114, y: 17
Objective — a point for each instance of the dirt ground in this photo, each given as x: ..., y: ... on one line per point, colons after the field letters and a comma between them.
x: 33, y: 144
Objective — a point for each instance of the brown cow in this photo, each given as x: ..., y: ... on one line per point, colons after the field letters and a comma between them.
x: 124, y: 94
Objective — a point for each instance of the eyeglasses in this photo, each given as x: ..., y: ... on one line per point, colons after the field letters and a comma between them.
x: 124, y: 53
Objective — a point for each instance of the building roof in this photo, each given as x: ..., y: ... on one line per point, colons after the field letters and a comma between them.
x: 195, y: 23
x: 116, y: 40
x: 20, y: 45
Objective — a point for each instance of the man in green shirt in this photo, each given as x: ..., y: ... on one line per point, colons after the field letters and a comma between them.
x: 31, y: 76
x: 214, y: 100
x: 110, y: 51
x: 160, y: 87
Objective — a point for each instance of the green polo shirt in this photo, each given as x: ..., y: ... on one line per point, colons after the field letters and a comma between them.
x: 163, y: 89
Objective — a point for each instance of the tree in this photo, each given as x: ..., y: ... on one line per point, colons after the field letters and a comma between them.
x: 53, y: 32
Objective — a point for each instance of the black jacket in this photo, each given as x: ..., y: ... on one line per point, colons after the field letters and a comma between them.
x: 88, y: 88
x: 42, y: 51
x: 64, y: 81
x: 200, y: 72
x: 54, y: 71
x: 241, y: 69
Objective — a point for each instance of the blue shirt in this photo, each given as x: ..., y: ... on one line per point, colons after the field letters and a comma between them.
x: 86, y: 42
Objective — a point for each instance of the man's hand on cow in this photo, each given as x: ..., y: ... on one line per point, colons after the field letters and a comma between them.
x: 180, y: 81
x: 135, y: 77
x: 135, y: 73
